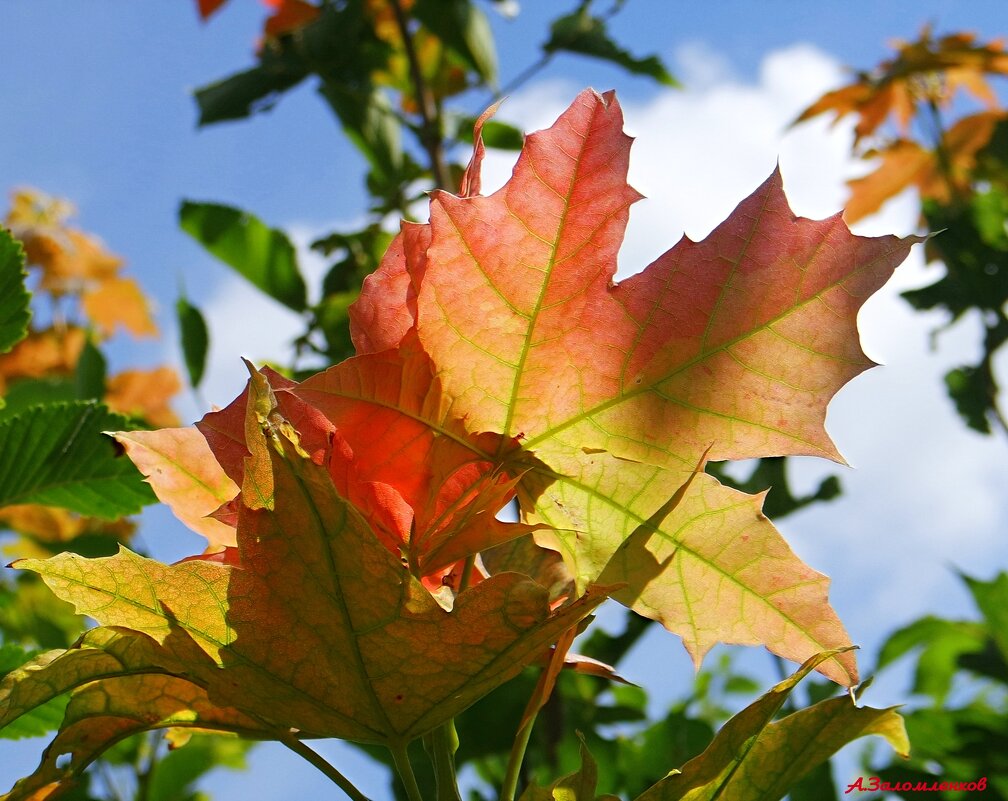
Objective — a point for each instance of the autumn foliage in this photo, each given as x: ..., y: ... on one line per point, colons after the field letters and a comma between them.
x: 357, y: 582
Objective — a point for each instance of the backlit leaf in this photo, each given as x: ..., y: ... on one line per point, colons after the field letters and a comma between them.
x: 735, y: 343
x: 578, y: 786
x: 321, y: 629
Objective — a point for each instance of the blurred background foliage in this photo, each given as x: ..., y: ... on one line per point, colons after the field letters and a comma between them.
x: 405, y: 79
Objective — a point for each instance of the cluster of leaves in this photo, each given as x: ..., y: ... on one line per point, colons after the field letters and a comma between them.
x: 960, y: 170
x: 961, y: 734
x: 387, y: 69
x: 64, y: 487
x: 357, y: 582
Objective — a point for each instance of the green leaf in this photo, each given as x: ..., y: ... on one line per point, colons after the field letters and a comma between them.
x: 992, y: 599
x: 195, y: 339
x: 58, y: 456
x: 582, y: 33
x: 175, y: 774
x: 943, y: 643
x: 25, y: 393
x: 38, y: 721
x: 577, y: 786
x: 753, y: 759
x: 14, y: 298
x: 495, y: 134
x: 263, y: 255
x: 770, y: 474
x: 89, y: 378
x: 370, y: 123
x: 242, y: 94
x: 462, y: 26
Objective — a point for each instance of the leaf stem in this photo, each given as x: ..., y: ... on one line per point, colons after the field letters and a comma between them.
x: 515, y: 759
x: 441, y: 745
x: 306, y: 753
x: 405, y: 770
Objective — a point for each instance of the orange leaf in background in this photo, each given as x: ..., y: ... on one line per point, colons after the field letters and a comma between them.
x: 208, y: 7
x: 905, y: 164
x: 83, y: 261
x: 119, y: 302
x: 924, y: 71
x: 51, y: 352
x: 289, y: 15
x: 144, y: 394
x: 49, y: 525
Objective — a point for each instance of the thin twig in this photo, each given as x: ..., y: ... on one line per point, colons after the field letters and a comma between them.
x: 303, y: 751
x: 430, y: 132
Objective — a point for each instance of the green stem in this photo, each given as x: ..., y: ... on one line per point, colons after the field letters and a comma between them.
x: 302, y: 750
x: 510, y: 785
x: 405, y: 770
x: 441, y: 745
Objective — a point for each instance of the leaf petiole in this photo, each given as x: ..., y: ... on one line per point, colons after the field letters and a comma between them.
x: 515, y: 759
x: 405, y: 771
x: 303, y: 751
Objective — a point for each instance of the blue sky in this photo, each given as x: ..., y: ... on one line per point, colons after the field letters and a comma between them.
x: 97, y: 107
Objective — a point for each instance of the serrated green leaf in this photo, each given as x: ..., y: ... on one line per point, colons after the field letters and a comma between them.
x: 14, y: 298
x: 57, y: 455
x: 195, y: 339
x: 263, y: 255
x: 753, y: 759
x: 582, y: 33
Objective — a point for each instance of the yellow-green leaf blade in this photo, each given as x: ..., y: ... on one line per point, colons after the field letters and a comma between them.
x: 754, y: 759
x: 714, y: 569
x: 106, y: 711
